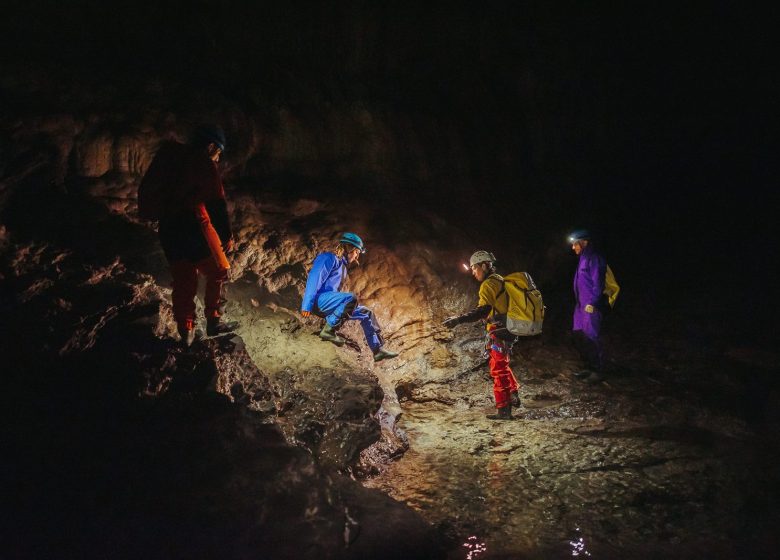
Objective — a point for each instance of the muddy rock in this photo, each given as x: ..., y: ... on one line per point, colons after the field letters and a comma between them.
x: 334, y: 414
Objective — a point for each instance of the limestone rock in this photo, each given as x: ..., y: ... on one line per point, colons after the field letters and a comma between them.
x: 94, y: 155
x: 132, y: 154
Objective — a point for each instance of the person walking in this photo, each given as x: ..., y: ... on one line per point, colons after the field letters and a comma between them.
x: 492, y: 307
x: 323, y: 298
x: 183, y: 190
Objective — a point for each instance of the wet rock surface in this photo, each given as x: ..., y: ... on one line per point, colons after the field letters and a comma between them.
x: 640, y: 462
x: 673, y: 453
x: 124, y: 444
x: 182, y: 471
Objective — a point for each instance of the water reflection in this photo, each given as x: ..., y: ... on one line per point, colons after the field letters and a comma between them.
x: 578, y: 547
x: 474, y: 547
x: 524, y: 486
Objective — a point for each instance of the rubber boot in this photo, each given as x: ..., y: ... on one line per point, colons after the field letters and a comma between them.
x: 187, y: 336
x: 215, y: 327
x: 595, y: 377
x: 514, y: 399
x: 328, y: 334
x: 383, y: 354
x: 582, y: 375
x: 502, y: 413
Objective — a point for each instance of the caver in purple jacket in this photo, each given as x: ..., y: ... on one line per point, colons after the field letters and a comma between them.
x: 589, y: 289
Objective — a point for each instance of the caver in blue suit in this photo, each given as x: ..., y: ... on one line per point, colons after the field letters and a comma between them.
x: 322, y: 298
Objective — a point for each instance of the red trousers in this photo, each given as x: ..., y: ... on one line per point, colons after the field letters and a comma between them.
x: 185, y: 288
x: 504, y: 381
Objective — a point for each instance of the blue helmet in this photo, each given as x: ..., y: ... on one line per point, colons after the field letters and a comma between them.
x: 209, y: 133
x: 579, y: 235
x: 354, y: 240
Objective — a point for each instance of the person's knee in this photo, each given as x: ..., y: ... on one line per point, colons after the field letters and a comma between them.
x: 365, y: 313
x: 350, y: 303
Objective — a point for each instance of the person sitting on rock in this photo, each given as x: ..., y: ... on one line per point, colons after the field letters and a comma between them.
x: 323, y: 298
x: 492, y: 307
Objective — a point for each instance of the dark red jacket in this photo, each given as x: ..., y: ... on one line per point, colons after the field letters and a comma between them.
x: 191, y: 179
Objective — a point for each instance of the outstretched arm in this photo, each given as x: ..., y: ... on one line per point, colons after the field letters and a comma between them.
x: 475, y: 314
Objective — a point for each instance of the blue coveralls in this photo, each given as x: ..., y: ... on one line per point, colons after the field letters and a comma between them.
x: 322, y: 298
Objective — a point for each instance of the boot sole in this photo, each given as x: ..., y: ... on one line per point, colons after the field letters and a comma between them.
x: 338, y: 343
x: 384, y: 358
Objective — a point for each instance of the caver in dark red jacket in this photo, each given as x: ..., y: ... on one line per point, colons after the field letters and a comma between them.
x: 189, y: 183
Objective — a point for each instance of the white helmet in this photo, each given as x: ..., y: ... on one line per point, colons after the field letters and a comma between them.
x: 480, y: 257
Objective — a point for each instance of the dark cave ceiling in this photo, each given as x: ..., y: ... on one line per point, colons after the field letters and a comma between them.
x: 644, y: 122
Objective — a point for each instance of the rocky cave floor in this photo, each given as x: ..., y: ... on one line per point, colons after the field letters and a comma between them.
x: 272, y: 443
x: 650, y: 462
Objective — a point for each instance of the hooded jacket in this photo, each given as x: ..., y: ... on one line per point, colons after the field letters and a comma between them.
x: 326, y: 275
x: 589, y: 278
x: 193, y: 179
x: 492, y: 306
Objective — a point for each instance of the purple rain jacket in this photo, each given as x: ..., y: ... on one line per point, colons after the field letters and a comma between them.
x: 589, y: 289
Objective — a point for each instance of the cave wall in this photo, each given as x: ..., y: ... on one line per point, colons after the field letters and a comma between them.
x: 512, y: 122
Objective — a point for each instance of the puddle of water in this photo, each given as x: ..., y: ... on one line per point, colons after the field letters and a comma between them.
x: 474, y: 547
x: 532, y: 485
x: 579, y: 547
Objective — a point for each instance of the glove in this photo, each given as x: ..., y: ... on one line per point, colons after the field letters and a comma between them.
x: 589, y: 308
x: 305, y: 313
x: 450, y: 322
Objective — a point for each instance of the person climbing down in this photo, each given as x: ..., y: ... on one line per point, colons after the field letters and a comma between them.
x: 322, y: 298
x: 182, y: 189
x: 492, y: 307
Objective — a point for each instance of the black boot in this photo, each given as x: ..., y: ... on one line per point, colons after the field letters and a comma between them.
x: 187, y: 336
x: 190, y: 336
x: 502, y: 413
x: 215, y: 327
x: 328, y: 333
x: 595, y: 377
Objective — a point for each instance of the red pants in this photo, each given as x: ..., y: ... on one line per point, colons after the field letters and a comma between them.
x: 504, y: 381
x: 185, y: 287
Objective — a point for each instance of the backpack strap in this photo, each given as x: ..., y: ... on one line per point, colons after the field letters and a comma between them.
x: 501, y: 279
x: 501, y: 291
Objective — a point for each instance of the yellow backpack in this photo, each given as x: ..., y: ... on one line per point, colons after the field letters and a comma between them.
x: 611, y: 287
x: 526, y: 308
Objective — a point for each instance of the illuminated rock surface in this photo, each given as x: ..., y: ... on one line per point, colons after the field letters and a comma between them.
x: 432, y: 134
x: 126, y: 434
